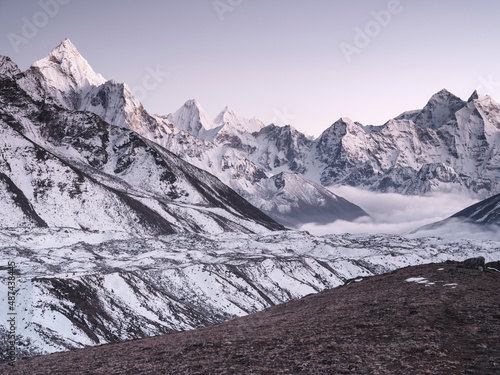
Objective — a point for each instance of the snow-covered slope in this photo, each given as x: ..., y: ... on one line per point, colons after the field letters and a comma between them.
x: 116, y: 237
x: 66, y: 70
x: 292, y: 200
x: 68, y: 168
x: 448, y: 146
x: 193, y: 119
x: 8, y: 68
x: 482, y: 217
x: 440, y: 109
x: 460, y: 155
x: 42, y: 190
x: 229, y: 119
x: 74, y: 289
x: 65, y: 78
x: 485, y: 212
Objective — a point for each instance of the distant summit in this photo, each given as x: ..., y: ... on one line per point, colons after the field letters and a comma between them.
x: 228, y: 119
x: 193, y: 119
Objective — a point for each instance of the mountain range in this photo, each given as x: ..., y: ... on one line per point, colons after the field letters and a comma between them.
x: 127, y: 224
x: 221, y: 146
x: 450, y: 145
x: 70, y: 168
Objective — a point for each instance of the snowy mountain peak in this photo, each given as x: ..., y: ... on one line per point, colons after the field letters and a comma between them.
x: 346, y: 120
x: 227, y: 109
x: 474, y: 96
x: 443, y: 99
x: 342, y: 125
x: 65, y: 50
x: 192, y: 103
x: 192, y: 119
x: 443, y: 93
x: 297, y: 200
x: 483, y: 99
x: 440, y: 109
x: 8, y: 67
x: 65, y: 69
x: 225, y: 116
x: 229, y: 119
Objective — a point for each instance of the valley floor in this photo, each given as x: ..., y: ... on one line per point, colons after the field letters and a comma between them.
x: 76, y: 289
x: 427, y: 319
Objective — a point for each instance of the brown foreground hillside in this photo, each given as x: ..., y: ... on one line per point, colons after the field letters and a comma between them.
x: 381, y: 325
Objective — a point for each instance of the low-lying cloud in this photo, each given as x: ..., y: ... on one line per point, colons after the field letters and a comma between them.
x: 457, y: 229
x: 401, y: 214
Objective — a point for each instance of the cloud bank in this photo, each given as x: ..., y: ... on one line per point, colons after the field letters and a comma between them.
x: 401, y: 214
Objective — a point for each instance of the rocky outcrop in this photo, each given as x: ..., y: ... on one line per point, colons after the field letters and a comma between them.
x: 474, y: 263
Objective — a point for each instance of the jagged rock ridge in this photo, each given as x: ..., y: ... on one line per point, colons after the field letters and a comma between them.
x: 62, y: 167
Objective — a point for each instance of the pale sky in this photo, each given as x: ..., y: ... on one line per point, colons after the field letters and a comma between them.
x: 302, y: 62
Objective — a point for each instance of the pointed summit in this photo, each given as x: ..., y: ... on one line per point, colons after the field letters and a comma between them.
x: 65, y: 50
x: 225, y: 112
x: 444, y: 97
x: 297, y: 200
x: 229, y: 119
x: 8, y: 67
x: 192, y: 119
x: 65, y: 69
x: 474, y: 96
x: 440, y: 109
x: 193, y: 103
x: 443, y: 93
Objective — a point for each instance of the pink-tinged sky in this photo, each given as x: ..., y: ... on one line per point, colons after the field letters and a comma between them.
x: 303, y: 62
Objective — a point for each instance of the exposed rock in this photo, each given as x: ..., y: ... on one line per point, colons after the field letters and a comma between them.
x: 474, y: 263
x: 483, y: 216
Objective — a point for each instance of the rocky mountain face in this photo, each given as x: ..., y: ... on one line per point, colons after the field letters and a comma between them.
x: 485, y: 212
x: 450, y: 146
x: 411, y: 156
x: 63, y: 167
x: 293, y: 201
x: 119, y: 230
x: 438, y: 318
